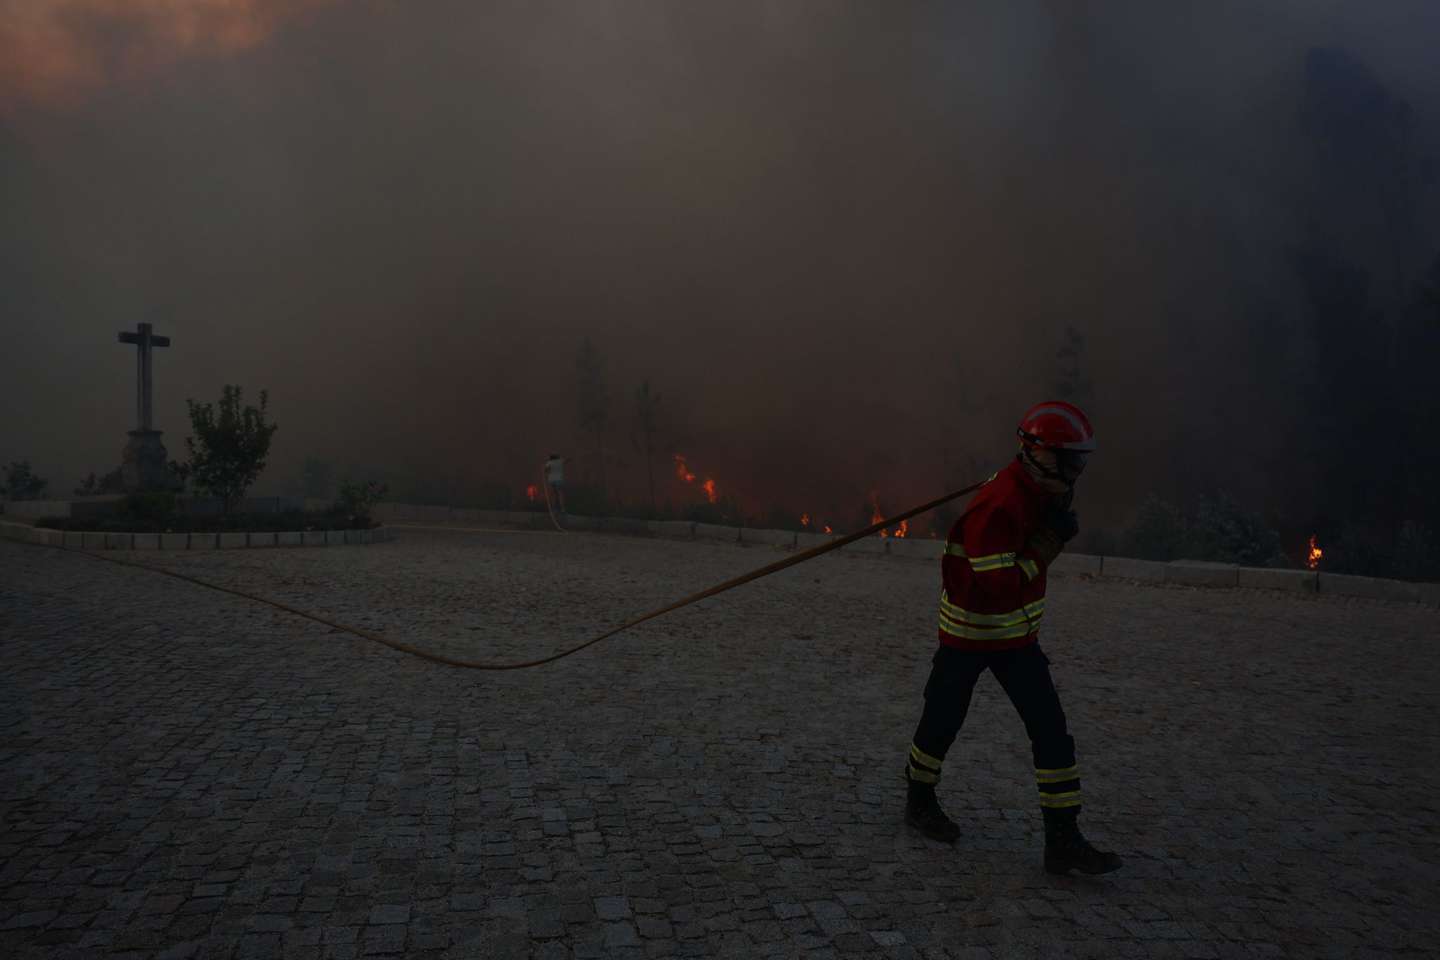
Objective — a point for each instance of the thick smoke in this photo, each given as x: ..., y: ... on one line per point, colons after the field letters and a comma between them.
x: 845, y: 241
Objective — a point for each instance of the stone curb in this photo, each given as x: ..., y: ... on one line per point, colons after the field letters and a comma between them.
x: 1188, y: 573
x: 232, y: 540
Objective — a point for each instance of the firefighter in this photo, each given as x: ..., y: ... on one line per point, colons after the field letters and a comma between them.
x: 555, y: 481
x: 990, y: 611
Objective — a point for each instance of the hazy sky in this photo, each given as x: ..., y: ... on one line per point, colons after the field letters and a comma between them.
x: 842, y: 239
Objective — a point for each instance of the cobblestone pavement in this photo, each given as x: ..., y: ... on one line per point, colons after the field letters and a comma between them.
x: 189, y: 774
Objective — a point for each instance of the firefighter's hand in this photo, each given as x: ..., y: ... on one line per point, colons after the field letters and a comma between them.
x: 1044, y: 545
x: 1062, y: 522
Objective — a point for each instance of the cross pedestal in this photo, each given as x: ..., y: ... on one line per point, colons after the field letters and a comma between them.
x: 143, y: 464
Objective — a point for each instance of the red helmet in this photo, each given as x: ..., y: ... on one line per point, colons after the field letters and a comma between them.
x: 1057, y: 425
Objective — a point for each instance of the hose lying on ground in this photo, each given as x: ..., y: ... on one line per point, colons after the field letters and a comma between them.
x: 730, y: 584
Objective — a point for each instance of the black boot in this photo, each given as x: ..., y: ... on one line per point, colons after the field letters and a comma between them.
x: 1067, y: 849
x: 922, y: 811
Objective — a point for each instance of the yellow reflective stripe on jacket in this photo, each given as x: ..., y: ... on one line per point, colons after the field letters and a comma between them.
x: 959, y: 622
x: 1030, y: 612
x: 1031, y: 568
x: 991, y: 561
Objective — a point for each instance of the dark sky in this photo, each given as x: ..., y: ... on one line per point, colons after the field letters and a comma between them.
x: 842, y: 239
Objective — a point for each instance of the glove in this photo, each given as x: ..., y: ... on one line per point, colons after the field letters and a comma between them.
x: 1044, y: 545
x: 1062, y: 522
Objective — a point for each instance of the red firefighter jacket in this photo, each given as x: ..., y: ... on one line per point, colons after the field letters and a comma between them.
x: 994, y: 588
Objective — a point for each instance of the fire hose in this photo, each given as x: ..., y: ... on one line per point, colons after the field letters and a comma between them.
x: 545, y: 485
x: 719, y: 588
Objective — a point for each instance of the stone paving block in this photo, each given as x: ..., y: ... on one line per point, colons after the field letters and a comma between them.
x: 335, y: 538
x: 91, y: 540
x: 261, y: 538
x: 314, y: 538
x: 204, y: 541
x: 146, y: 541
x: 1076, y: 564
x: 119, y: 541
x: 1294, y: 581
x: 713, y: 531
x: 366, y: 536
x: 1202, y: 574
x: 352, y: 537
x: 712, y: 792
x: 233, y: 540
x: 73, y: 540
x: 174, y: 541
x: 1132, y: 569
x: 290, y: 538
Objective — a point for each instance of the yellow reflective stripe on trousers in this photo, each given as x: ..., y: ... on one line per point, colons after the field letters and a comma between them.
x: 1057, y: 776
x: 1071, y: 799
x: 917, y: 754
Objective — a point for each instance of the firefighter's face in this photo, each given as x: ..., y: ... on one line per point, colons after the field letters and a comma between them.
x: 1068, y: 465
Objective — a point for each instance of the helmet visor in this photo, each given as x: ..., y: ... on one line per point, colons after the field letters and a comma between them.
x: 1071, y: 463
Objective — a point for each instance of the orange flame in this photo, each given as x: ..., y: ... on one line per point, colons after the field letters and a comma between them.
x: 875, y: 515
x: 681, y: 470
x: 709, y: 487
x: 903, y: 529
x: 532, y: 492
x: 827, y: 529
x: 804, y: 519
x: 1313, y: 560
x: 60, y: 51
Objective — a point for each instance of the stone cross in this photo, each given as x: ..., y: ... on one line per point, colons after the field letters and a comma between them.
x: 144, y: 339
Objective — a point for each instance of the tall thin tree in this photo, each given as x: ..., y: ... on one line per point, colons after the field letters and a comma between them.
x: 647, y: 416
x: 593, y: 403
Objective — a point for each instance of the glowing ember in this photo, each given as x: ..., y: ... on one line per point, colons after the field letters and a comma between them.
x: 681, y: 470
x: 804, y: 519
x: 903, y: 529
x: 532, y: 492
x: 1313, y: 560
x: 827, y: 529
x: 709, y: 487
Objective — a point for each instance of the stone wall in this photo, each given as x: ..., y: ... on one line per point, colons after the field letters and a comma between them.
x: 1184, y: 572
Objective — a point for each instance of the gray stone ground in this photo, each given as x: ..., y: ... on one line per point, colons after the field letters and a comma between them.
x: 191, y: 774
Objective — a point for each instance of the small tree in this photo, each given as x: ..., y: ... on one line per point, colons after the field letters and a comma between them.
x: 111, y: 482
x: 21, y: 483
x: 356, y: 501
x: 229, y: 448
